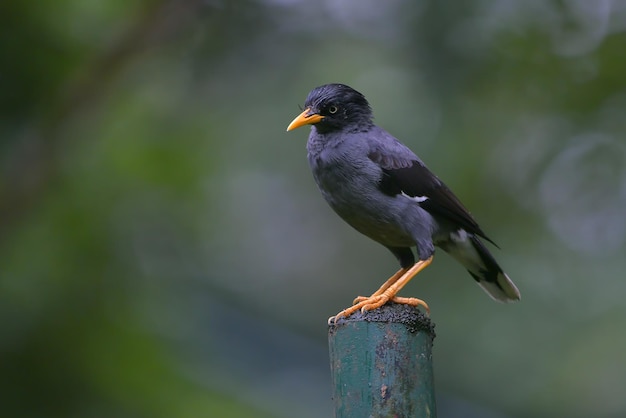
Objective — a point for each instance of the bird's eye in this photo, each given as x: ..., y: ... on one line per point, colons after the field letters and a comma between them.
x: 332, y: 109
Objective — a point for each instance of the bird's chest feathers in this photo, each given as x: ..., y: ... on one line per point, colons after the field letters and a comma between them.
x: 345, y: 178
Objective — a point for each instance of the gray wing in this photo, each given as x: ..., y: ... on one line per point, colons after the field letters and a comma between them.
x: 404, y: 172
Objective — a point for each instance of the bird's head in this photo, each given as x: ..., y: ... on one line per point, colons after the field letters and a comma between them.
x: 334, y: 107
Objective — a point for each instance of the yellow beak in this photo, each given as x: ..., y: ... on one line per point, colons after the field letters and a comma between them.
x: 304, y: 118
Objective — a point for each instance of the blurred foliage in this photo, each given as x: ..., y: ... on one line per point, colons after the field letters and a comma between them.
x: 164, y: 251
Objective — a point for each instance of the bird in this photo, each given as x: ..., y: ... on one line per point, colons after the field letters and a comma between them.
x: 384, y: 190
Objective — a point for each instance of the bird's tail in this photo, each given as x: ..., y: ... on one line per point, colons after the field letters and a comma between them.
x: 479, y: 262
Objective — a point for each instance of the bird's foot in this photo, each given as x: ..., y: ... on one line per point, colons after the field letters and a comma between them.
x: 411, y: 302
x: 387, y: 292
x: 374, y: 302
x: 396, y: 299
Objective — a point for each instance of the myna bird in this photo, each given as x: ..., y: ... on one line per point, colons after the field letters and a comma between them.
x: 383, y: 190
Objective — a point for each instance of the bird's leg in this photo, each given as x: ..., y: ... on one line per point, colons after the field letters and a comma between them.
x: 378, y: 300
x: 384, y: 287
x: 390, y: 293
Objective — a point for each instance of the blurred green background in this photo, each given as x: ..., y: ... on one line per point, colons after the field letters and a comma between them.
x: 164, y: 251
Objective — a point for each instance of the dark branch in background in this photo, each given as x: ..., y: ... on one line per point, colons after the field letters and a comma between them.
x: 32, y: 163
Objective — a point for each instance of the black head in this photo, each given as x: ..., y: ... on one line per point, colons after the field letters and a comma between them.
x: 334, y: 107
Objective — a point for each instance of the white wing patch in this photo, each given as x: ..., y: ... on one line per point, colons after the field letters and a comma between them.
x: 459, y: 236
x: 418, y: 199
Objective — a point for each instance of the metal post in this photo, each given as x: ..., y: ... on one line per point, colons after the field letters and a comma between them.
x: 381, y: 364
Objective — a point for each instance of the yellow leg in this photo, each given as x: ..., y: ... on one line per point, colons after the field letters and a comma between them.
x: 387, y: 292
x: 384, y: 287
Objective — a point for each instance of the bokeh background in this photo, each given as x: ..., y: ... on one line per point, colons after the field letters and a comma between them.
x: 164, y: 251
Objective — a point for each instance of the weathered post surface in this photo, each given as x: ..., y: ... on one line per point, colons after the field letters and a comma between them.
x: 381, y: 364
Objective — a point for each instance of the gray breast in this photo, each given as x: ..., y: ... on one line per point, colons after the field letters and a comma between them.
x: 351, y: 189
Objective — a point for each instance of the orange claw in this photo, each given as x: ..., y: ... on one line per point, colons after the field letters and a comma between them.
x: 412, y: 302
x: 387, y: 292
x: 375, y: 302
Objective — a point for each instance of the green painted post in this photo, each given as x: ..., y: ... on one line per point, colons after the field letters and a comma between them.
x: 381, y: 364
